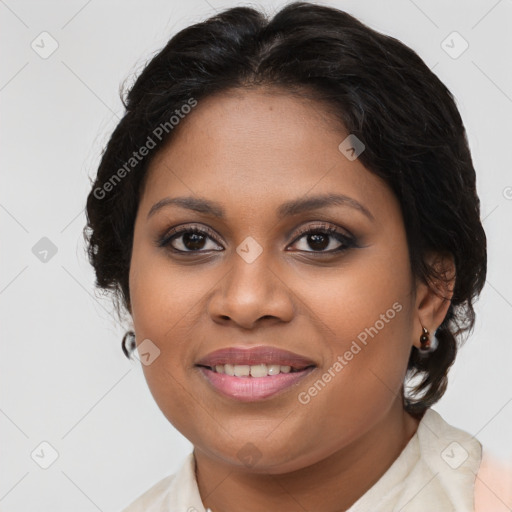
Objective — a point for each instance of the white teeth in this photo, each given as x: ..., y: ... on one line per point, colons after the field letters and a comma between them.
x: 259, y: 370
x: 274, y: 369
x: 242, y: 370
x: 255, y: 370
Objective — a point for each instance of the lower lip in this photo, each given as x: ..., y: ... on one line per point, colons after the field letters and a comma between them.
x: 250, y: 389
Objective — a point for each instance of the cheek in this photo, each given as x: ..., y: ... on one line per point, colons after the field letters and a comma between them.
x: 167, y: 303
x: 368, y: 296
x: 164, y: 304
x: 164, y: 297
x: 364, y: 308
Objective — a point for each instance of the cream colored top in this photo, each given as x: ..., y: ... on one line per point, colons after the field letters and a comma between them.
x: 435, y: 472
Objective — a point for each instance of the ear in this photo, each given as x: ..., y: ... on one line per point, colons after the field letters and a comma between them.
x: 434, y: 299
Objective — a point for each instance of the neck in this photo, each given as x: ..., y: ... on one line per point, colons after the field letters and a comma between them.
x: 330, y: 485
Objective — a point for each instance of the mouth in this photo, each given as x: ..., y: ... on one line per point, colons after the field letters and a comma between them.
x: 253, y: 374
x: 255, y: 370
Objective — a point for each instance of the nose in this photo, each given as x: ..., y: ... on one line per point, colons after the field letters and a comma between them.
x: 251, y: 294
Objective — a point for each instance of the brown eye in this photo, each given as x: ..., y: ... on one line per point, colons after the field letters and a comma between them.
x: 189, y: 239
x: 320, y: 238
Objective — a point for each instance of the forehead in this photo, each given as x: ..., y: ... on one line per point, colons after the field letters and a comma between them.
x: 259, y: 147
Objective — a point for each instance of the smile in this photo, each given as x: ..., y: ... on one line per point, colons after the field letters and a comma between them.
x: 251, y: 374
x: 256, y: 370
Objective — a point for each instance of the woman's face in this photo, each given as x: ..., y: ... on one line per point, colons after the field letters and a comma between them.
x: 251, y: 278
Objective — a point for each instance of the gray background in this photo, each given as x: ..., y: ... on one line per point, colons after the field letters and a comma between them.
x: 63, y: 377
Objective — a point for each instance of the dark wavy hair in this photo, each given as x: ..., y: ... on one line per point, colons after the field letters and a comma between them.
x: 378, y: 89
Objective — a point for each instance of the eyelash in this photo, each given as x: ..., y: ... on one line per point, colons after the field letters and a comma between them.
x: 324, y: 229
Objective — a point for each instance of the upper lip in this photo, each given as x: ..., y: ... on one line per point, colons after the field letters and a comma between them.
x: 264, y: 354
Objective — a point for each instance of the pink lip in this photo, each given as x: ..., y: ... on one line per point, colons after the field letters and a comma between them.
x: 251, y: 389
x: 263, y: 354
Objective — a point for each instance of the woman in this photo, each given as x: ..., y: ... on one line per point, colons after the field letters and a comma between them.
x: 288, y: 212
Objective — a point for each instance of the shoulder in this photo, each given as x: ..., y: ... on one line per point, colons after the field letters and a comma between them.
x: 453, y: 457
x: 448, y: 449
x: 465, y: 464
x: 493, y: 485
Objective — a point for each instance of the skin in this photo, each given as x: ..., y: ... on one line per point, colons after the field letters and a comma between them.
x: 251, y: 151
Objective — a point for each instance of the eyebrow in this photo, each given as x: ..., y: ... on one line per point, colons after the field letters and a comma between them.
x: 289, y: 208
